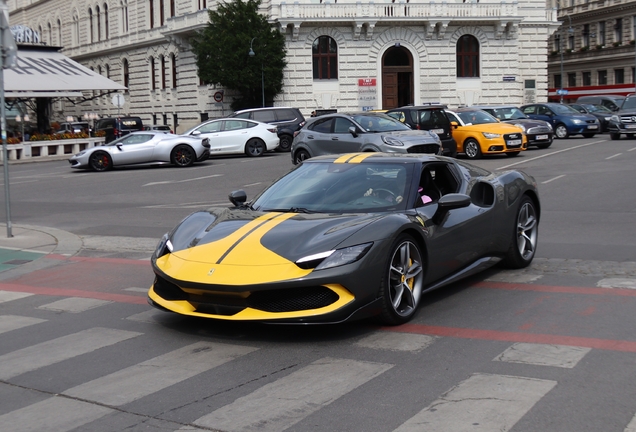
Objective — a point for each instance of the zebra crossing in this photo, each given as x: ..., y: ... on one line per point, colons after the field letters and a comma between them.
x: 480, y: 402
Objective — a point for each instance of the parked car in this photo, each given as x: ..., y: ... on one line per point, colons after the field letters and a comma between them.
x: 602, y: 113
x: 287, y: 120
x: 73, y: 127
x: 431, y: 118
x: 478, y: 133
x: 611, y: 102
x: 624, y: 120
x: 160, y: 128
x: 143, y: 148
x: 237, y: 136
x: 539, y: 133
x: 360, y: 132
x: 115, y: 127
x: 565, y: 120
x: 343, y: 238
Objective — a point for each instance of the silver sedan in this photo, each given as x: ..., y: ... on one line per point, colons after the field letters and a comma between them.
x: 141, y: 148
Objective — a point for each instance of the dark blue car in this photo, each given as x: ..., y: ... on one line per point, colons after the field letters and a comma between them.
x: 564, y: 119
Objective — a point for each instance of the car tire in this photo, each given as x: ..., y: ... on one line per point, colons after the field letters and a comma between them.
x: 285, y: 143
x: 100, y: 161
x: 182, y: 156
x: 472, y: 149
x: 512, y: 154
x: 561, y: 131
x: 544, y: 146
x: 403, y: 281
x: 588, y: 135
x: 300, y: 156
x: 254, y: 147
x: 524, y: 236
x: 615, y: 136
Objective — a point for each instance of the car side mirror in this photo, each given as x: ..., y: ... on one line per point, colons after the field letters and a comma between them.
x: 353, y: 131
x: 118, y: 146
x: 196, y: 133
x: 454, y: 125
x: 238, y: 197
x: 447, y: 203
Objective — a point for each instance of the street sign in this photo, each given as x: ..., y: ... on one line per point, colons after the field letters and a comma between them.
x: 218, y: 96
x: 562, y: 91
x: 119, y: 100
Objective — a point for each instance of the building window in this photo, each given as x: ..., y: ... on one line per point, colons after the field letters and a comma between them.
x: 203, y: 4
x: 124, y: 15
x: 99, y: 24
x: 173, y: 61
x: 105, y: 21
x: 59, y: 33
x: 600, y: 37
x: 571, y: 42
x: 572, y: 79
x: 325, y: 58
x: 467, y: 57
x: 151, y: 13
x: 50, y: 33
x: 161, y: 14
x: 90, y: 25
x: 618, y: 30
x: 557, y: 42
x: 163, y: 72
x: 602, y: 77
x: 153, y: 83
x: 75, y: 34
x: 126, y: 75
x: 587, y: 78
x: 107, y: 71
x: 173, y: 9
x: 619, y: 76
x: 586, y: 36
x: 557, y: 81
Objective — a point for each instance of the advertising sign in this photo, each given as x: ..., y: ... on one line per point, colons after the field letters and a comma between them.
x: 367, y: 94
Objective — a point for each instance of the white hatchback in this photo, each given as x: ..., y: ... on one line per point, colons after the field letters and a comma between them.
x: 237, y: 136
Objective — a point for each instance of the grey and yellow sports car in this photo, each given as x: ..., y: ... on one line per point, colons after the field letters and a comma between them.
x: 345, y: 237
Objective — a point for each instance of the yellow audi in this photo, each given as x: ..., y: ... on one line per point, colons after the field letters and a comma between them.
x: 477, y: 133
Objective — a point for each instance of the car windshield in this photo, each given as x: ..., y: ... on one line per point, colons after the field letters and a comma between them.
x: 476, y: 117
x: 379, y: 123
x: 507, y: 113
x: 629, y: 103
x: 325, y: 187
x: 598, y: 109
x: 563, y: 109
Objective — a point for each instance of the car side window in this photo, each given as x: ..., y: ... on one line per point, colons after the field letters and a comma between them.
x: 436, y: 180
x: 230, y: 125
x: 244, y: 115
x: 611, y: 105
x: 398, y: 115
x: 285, y: 115
x: 136, y: 139
x: 342, y: 125
x: 265, y: 116
x: 322, y: 126
x: 529, y: 109
x: 543, y: 111
x: 210, y: 127
x: 452, y: 117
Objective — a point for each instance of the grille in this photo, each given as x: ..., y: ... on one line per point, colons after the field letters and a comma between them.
x: 512, y: 136
x: 169, y: 291
x: 424, y: 148
x: 287, y: 300
x: 628, y: 119
x: 539, y: 130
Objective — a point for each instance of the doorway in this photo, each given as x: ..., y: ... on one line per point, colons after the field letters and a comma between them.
x: 397, y: 78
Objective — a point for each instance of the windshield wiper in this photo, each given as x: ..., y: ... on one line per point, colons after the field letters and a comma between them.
x: 290, y: 210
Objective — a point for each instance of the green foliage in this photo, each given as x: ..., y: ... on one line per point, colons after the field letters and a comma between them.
x: 222, y: 53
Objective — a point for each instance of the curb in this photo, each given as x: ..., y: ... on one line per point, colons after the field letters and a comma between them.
x: 41, y: 239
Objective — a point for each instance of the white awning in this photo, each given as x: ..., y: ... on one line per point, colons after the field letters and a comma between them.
x: 48, y: 73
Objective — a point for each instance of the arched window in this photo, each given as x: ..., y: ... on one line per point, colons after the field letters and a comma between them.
x: 126, y: 75
x: 99, y: 24
x: 151, y: 13
x: 59, y: 33
x: 467, y: 57
x: 161, y: 13
x: 163, y: 72
x: 90, y: 25
x: 124, y: 15
x: 105, y: 21
x: 324, y: 53
x: 173, y: 10
x: 75, y: 34
x: 107, y: 71
x: 173, y: 59
x: 153, y: 83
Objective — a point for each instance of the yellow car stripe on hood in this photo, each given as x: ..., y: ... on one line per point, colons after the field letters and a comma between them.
x: 232, y: 260
x: 353, y: 157
x: 359, y: 158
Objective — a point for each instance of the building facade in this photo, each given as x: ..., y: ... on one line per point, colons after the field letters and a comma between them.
x: 594, y: 51
x: 341, y: 54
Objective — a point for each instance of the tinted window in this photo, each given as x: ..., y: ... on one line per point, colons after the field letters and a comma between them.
x: 322, y: 126
x: 244, y: 115
x: 398, y: 115
x: 342, y: 125
x: 214, y: 126
x: 431, y: 119
x: 285, y: 114
x: 265, y: 116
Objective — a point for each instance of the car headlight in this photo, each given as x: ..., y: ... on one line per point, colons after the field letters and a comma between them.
x: 164, y: 246
x: 577, y: 121
x: 549, y: 125
x: 615, y: 118
x: 523, y: 128
x: 334, y: 258
x: 491, y: 135
x: 392, y: 141
x: 607, y: 118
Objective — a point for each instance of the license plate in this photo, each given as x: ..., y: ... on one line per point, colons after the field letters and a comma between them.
x: 437, y: 131
x: 542, y: 137
x: 592, y: 127
x: 514, y: 142
x: 630, y: 126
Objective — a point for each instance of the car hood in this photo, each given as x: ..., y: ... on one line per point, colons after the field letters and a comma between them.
x: 245, y: 246
x: 527, y: 123
x: 584, y: 117
x: 501, y: 128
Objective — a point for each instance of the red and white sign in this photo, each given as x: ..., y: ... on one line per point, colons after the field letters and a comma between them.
x: 366, y: 82
x: 367, y: 94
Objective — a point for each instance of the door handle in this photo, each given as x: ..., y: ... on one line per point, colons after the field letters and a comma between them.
x: 334, y: 139
x: 310, y: 137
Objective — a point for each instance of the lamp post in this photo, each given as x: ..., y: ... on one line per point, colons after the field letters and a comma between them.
x: 570, y: 30
x: 252, y: 54
x: 22, y: 120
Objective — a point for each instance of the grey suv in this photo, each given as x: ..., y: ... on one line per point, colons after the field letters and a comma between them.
x: 287, y: 121
x: 623, y: 121
x: 431, y: 117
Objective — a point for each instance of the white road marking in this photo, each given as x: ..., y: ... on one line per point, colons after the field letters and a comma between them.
x: 145, y: 378
x: 74, y: 304
x: 617, y: 283
x: 553, y: 179
x: 136, y: 289
x: 181, y: 181
x: 54, y: 414
x: 550, y: 154
x: 283, y: 403
x: 146, y: 316
x: 631, y: 427
x: 513, y: 277
x: 396, y: 341
x: 613, y: 156
x: 482, y: 403
x: 543, y: 355
x: 14, y: 322
x: 632, y: 149
x: 188, y: 205
x: 6, y: 296
x: 56, y: 350
x: 252, y: 184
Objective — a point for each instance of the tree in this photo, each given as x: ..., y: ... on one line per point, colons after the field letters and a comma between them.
x: 222, y: 53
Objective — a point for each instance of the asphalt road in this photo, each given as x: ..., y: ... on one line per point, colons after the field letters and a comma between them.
x: 548, y: 348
